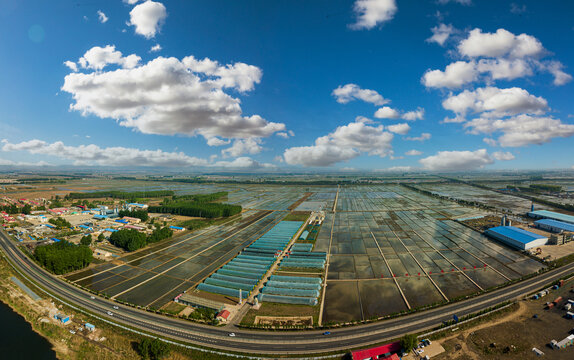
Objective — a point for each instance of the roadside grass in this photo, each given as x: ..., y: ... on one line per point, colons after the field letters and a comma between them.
x: 275, y: 309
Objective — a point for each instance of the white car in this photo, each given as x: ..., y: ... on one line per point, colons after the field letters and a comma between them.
x: 93, y: 298
x: 110, y: 313
x: 232, y: 334
x: 115, y: 307
x: 72, y: 332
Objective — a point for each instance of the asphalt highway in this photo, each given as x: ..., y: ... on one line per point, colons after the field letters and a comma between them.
x: 267, y: 342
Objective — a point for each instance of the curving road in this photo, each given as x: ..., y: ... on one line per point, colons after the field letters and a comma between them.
x: 265, y: 342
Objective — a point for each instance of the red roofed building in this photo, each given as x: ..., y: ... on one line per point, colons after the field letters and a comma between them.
x: 385, y: 352
x: 223, y: 316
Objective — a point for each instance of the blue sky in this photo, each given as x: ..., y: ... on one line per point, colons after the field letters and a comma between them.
x: 287, y: 85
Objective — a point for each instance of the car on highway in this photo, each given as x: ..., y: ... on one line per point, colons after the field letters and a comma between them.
x: 92, y: 297
x: 327, y: 333
x: 110, y: 313
x: 232, y: 334
x: 115, y: 307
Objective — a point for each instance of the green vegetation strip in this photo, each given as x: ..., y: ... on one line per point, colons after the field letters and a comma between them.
x: 120, y: 194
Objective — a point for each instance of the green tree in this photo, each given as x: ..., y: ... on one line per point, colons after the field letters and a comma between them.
x: 63, y: 257
x: 27, y: 209
x: 408, y: 342
x: 127, y: 239
x: 153, y: 349
x: 86, y: 240
x: 101, y: 237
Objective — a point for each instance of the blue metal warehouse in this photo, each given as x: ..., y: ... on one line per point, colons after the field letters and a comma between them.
x: 517, y: 238
x: 545, y: 214
x: 554, y: 225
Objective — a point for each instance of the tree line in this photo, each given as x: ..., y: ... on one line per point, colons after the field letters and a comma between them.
x: 60, y: 222
x: 120, y: 194
x: 205, y: 210
x: 132, y: 240
x: 14, y: 209
x: 63, y: 257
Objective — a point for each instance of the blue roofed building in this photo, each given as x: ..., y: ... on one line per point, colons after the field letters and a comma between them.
x: 545, y: 214
x: 554, y: 226
x: 516, y: 237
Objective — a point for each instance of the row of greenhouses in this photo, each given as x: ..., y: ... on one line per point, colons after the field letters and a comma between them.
x: 241, y: 275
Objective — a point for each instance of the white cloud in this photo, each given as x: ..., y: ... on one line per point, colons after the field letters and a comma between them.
x: 417, y: 114
x: 111, y: 156
x: 102, y: 17
x: 345, y: 143
x: 504, y: 69
x: 503, y: 156
x: 279, y: 159
x: 167, y: 96
x: 457, y: 160
x: 318, y: 155
x: 239, y: 76
x: 243, y: 146
x: 521, y: 130
x: 423, y: 137
x: 99, y: 57
x: 148, y: 18
x: 350, y: 92
x: 501, y: 43
x: 441, y: 33
x: 215, y: 141
x: 283, y: 135
x: 555, y: 68
x: 387, y: 113
x: 131, y: 2
x: 371, y: 13
x: 495, y: 102
x: 244, y: 163
x: 155, y: 48
x: 413, y: 153
x: 455, y: 75
x: 71, y: 65
x: 401, y: 129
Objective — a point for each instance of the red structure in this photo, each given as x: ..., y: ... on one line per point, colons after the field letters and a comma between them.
x: 380, y: 352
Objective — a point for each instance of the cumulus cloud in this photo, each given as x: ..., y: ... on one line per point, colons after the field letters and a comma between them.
x: 345, y: 143
x: 99, y: 57
x: 71, y: 65
x: 243, y: 146
x: 417, y: 114
x: 370, y: 13
x: 155, y: 48
x: 244, y: 163
x: 350, y: 92
x: 423, y: 137
x: 111, y: 156
x: 455, y: 76
x: 131, y: 2
x: 457, y: 160
x: 499, y: 44
x: 501, y: 55
x: 148, y: 18
x: 495, y: 102
x: 441, y: 33
x: 401, y: 129
x: 387, y: 113
x: 102, y: 17
x: 413, y: 153
x: 499, y: 69
x: 490, y: 141
x: 503, y: 156
x: 398, y: 169
x: 168, y: 96
x: 521, y: 130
